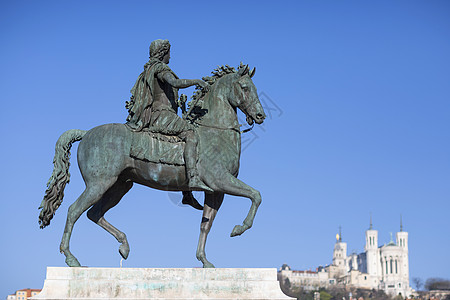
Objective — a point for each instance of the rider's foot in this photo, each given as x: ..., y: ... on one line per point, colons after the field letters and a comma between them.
x: 189, y: 199
x: 196, y: 184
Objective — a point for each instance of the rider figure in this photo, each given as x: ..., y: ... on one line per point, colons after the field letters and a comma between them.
x: 153, y: 105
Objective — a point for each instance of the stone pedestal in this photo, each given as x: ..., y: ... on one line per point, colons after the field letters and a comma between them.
x: 160, y: 283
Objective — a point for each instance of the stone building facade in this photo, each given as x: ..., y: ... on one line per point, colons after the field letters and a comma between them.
x: 378, y: 267
x: 23, y: 294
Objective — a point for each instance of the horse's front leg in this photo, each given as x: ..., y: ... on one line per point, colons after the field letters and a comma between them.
x: 212, y: 205
x: 229, y: 184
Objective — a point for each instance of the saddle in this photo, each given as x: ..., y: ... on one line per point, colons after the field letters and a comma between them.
x: 157, y: 148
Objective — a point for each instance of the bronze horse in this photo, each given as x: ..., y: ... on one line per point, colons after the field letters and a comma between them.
x: 109, y: 171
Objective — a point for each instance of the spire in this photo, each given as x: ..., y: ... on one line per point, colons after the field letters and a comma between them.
x: 401, y: 223
x: 340, y: 234
x: 370, y: 227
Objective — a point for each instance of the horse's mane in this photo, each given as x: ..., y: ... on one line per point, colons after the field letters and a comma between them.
x: 217, y: 73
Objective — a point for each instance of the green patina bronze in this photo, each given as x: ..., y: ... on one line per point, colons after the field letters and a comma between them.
x: 158, y: 149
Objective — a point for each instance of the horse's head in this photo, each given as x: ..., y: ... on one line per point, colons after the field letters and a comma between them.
x: 235, y: 88
x: 246, y: 97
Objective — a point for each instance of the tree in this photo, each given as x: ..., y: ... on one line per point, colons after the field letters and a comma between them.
x: 337, y: 293
x: 378, y: 295
x: 324, y: 295
x: 418, y: 282
x: 435, y: 283
x: 287, y: 283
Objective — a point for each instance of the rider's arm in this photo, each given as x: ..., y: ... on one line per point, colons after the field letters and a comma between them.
x: 180, y: 83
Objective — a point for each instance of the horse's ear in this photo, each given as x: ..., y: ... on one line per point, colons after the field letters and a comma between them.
x: 252, y: 72
x: 243, y: 70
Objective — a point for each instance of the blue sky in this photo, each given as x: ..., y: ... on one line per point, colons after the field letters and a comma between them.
x: 359, y: 97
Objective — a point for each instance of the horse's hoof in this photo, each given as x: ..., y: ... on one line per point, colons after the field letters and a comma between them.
x: 124, y: 250
x: 237, y: 230
x: 208, y: 265
x: 71, y: 261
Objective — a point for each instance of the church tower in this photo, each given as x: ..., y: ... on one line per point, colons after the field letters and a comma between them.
x: 340, y: 253
x: 402, y: 237
x: 372, y: 253
x: 402, y: 243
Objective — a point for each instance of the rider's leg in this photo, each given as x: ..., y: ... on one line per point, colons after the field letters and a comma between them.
x: 190, y: 158
x: 168, y: 122
x: 189, y: 199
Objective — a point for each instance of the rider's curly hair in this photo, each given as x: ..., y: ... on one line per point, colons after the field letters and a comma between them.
x: 159, y: 48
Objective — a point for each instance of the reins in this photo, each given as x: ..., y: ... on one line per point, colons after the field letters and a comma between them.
x: 228, y: 128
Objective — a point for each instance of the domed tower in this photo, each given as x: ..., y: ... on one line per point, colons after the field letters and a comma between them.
x: 340, y: 253
x: 372, y: 252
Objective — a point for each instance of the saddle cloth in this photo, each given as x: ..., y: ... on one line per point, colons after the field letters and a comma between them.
x: 157, y: 148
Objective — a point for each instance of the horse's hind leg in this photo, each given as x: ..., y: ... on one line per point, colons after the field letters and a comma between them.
x: 212, y: 205
x: 108, y: 201
x: 93, y: 193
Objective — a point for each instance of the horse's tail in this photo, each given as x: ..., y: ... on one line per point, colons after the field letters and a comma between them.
x: 60, y: 176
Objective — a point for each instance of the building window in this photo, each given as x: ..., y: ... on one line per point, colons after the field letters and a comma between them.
x: 396, y: 270
x: 391, y: 265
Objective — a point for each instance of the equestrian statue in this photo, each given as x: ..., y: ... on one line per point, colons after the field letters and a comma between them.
x: 199, y: 151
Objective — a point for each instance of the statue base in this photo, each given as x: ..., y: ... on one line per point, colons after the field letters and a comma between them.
x: 160, y: 283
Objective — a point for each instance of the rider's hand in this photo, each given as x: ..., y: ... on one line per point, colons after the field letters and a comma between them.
x: 203, y: 84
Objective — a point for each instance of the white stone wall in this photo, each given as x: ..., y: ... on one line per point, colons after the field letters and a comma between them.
x: 340, y: 255
x: 395, y: 266
x: 160, y: 283
x: 371, y: 250
x: 308, y: 280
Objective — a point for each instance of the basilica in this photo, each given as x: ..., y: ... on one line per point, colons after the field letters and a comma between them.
x: 378, y: 267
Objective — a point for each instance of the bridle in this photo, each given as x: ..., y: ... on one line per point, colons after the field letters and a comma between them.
x: 235, y: 128
x: 244, y: 106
